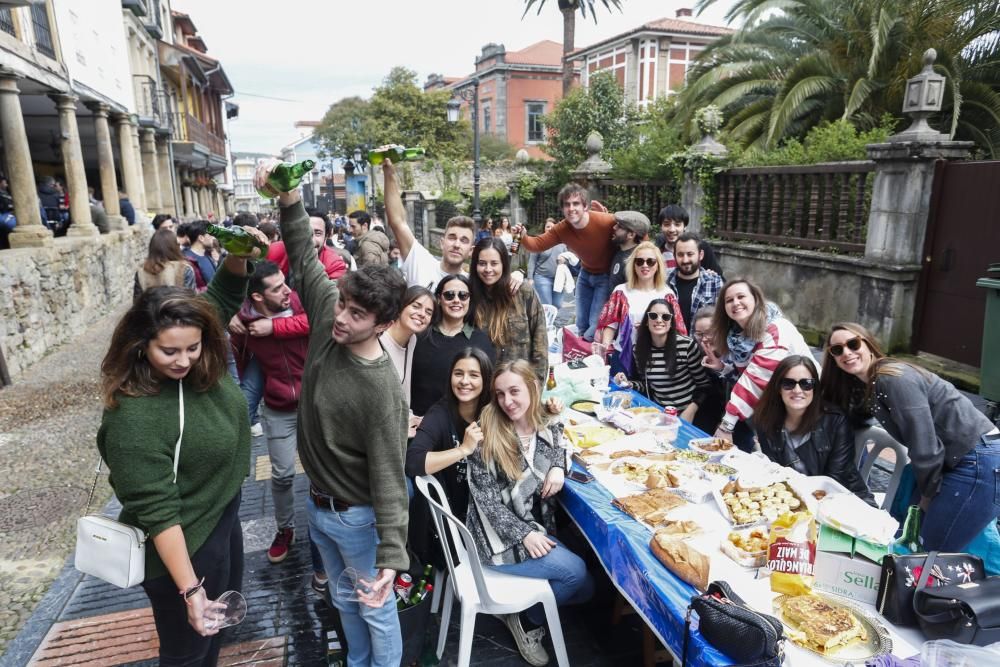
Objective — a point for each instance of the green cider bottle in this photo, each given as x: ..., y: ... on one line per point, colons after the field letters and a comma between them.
x: 909, y: 541
x: 236, y: 240
x: 285, y: 178
x: 396, y: 153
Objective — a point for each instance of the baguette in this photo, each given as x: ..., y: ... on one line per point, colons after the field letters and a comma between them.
x: 687, y: 563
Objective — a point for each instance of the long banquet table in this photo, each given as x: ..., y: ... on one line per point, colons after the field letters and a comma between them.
x: 622, y: 545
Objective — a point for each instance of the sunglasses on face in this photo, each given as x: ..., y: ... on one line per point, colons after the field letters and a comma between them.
x: 451, y: 295
x: 666, y: 317
x: 645, y: 261
x: 806, y: 384
x: 853, y: 345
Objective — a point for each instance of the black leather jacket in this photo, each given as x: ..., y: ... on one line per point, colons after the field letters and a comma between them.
x: 829, y: 450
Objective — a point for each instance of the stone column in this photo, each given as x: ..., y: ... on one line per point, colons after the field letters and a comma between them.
x: 188, y: 200
x: 167, y: 203
x: 30, y: 232
x: 76, y: 177
x: 221, y: 205
x: 130, y: 168
x: 106, y: 164
x: 140, y: 203
x: 151, y: 170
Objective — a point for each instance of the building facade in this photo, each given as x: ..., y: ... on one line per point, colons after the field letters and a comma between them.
x: 325, y: 188
x: 245, y: 197
x: 650, y: 60
x: 87, y: 99
x: 516, y: 90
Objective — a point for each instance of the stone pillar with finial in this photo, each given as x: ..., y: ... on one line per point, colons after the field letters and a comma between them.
x: 709, y: 120
x: 904, y: 172
x: 518, y: 215
x: 594, y: 168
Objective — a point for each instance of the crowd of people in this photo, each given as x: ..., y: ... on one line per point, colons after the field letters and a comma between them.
x: 378, y: 361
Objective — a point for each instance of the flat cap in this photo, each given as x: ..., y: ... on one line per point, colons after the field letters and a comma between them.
x: 633, y: 221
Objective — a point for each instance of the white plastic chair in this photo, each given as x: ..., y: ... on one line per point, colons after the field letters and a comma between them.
x: 882, y: 440
x: 482, y: 590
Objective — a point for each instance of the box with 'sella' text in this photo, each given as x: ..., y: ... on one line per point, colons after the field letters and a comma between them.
x: 848, y: 566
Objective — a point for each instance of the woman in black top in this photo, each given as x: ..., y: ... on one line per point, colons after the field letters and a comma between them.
x: 667, y: 365
x: 451, y: 331
x: 796, y: 430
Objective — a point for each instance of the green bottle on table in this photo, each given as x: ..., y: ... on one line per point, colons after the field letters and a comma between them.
x: 909, y: 541
x: 284, y: 178
x: 396, y: 153
x: 236, y: 240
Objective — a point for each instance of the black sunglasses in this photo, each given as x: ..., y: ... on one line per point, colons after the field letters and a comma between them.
x: 853, y: 345
x: 806, y: 384
x: 451, y: 295
x: 666, y: 317
x: 646, y: 261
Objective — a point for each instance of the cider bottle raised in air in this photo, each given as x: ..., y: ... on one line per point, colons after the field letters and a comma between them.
x: 396, y: 153
x: 236, y: 240
x: 284, y: 178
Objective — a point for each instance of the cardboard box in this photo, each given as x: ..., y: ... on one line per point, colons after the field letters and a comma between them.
x: 847, y: 566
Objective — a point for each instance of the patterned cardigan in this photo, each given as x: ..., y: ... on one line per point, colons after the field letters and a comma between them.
x: 502, y: 511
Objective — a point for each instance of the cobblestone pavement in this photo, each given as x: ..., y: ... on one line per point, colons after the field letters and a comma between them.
x: 48, y: 422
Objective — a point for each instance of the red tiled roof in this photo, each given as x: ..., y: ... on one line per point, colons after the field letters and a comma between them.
x: 545, y: 52
x: 680, y: 26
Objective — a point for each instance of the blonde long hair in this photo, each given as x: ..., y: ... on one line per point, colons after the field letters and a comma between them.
x: 501, y: 447
x: 632, y: 276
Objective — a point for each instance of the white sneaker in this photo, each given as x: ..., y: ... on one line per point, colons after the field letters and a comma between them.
x: 257, y: 430
x: 528, y: 643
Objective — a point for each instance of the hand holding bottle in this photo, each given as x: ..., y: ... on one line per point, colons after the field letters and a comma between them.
x: 262, y: 181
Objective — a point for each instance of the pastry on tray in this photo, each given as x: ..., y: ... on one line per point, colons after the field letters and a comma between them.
x: 819, y: 624
x: 650, y: 506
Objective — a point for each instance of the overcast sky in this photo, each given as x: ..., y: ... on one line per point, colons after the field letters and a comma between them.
x: 311, y: 53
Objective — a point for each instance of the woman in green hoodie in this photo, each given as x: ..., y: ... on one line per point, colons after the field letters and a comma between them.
x: 176, y: 438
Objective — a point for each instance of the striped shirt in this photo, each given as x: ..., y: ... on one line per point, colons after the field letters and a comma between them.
x: 687, y: 384
x: 781, y: 339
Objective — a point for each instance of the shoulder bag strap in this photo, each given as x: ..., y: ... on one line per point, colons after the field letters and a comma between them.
x: 924, y: 574
x: 177, y: 449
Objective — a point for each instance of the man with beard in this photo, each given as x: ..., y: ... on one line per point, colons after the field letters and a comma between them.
x: 695, y: 286
x: 629, y: 231
x: 279, y: 349
x: 673, y: 220
x: 358, y: 508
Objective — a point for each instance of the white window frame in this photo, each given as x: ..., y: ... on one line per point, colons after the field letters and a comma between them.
x: 527, y: 121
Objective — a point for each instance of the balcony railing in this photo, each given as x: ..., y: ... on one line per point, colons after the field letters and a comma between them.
x: 43, y: 33
x: 188, y: 128
x: 7, y: 22
x: 149, y: 101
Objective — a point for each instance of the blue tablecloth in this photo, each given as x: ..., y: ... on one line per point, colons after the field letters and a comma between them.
x: 622, y: 545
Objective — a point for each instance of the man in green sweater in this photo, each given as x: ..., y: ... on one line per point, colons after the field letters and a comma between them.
x: 352, y: 434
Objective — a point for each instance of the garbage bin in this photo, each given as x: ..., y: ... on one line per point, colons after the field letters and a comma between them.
x: 989, y: 386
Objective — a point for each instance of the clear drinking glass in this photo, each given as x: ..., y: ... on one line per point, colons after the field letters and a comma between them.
x: 228, y: 610
x: 350, y: 584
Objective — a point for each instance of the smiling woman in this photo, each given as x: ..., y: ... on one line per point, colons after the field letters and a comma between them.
x: 400, y: 339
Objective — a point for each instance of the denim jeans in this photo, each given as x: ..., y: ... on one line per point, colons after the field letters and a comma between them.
x: 279, y: 430
x: 314, y: 556
x: 348, y: 539
x: 969, y: 499
x: 252, y: 384
x: 566, y: 572
x: 591, y: 294
x: 543, y: 288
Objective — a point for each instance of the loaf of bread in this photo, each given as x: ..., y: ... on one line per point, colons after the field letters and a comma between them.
x: 686, y: 562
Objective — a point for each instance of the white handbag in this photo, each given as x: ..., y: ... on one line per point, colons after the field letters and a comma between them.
x: 111, y: 550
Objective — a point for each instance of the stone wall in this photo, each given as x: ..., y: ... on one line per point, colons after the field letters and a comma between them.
x: 47, y: 295
x: 817, y: 289
x: 492, y: 177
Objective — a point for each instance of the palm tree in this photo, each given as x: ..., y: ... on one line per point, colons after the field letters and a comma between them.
x: 568, y: 9
x: 796, y: 63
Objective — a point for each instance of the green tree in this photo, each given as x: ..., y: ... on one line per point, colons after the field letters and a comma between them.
x: 657, y: 138
x: 797, y: 63
x: 399, y: 112
x: 601, y: 107
x: 569, y: 9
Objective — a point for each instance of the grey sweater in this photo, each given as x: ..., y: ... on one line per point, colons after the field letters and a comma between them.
x: 352, y: 414
x: 544, y: 263
x: 936, y: 423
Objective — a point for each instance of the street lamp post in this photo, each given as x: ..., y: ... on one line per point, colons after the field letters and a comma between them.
x: 454, y: 106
